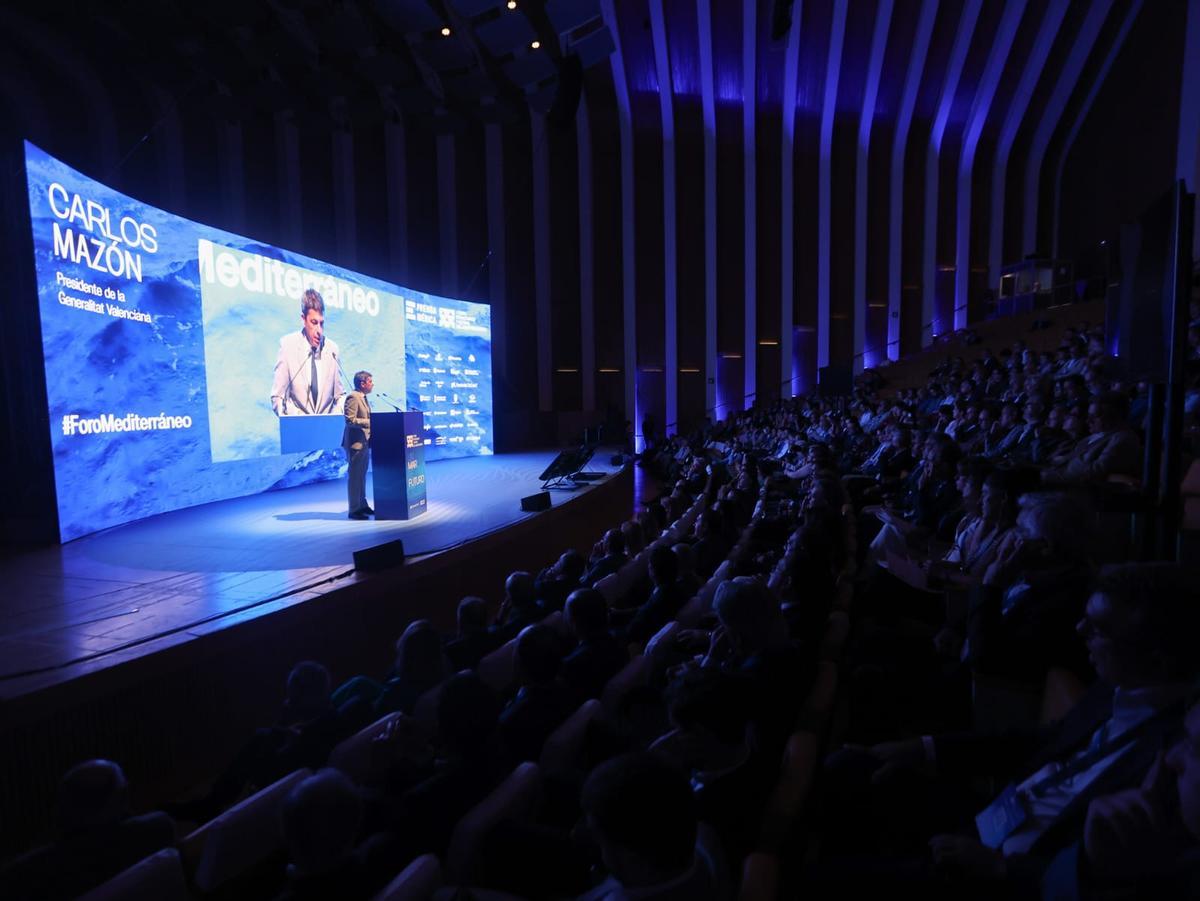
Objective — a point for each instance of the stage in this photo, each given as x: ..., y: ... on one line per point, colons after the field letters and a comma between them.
x: 136, y: 588
x: 163, y: 643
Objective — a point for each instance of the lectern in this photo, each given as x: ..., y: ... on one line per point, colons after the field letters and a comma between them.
x: 398, y: 464
x: 397, y: 455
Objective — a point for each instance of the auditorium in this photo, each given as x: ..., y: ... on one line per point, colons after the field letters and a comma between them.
x: 729, y: 450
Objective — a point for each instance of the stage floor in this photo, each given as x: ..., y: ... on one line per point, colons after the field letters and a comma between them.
x: 138, y: 588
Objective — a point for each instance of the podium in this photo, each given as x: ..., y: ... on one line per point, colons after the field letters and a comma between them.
x: 398, y: 464
x: 316, y: 431
x: 397, y: 455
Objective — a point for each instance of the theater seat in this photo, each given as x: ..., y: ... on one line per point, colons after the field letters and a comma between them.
x: 634, y: 674
x: 498, y: 668
x: 660, y: 645
x: 790, y: 794
x: 556, y: 623
x: 416, y: 882
x: 158, y: 877
x: 999, y: 703
x: 353, y: 756
x: 514, y: 798
x: 564, y: 746
x: 817, y: 711
x: 608, y: 587
x: 837, y: 629
x: 425, y: 712
x: 760, y: 877
x: 242, y: 836
x: 692, y: 612
x: 1063, y: 690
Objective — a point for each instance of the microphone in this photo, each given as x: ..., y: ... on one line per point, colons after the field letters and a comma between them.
x: 287, y: 392
x: 391, y: 403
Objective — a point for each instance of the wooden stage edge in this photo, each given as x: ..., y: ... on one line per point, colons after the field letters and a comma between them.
x: 174, y: 718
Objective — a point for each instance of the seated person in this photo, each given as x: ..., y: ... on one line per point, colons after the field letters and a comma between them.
x: 555, y: 582
x: 473, y: 640
x: 752, y: 641
x: 640, y: 811
x: 928, y: 496
x: 308, y: 728
x: 1111, y: 448
x: 664, y: 602
x: 420, y: 666
x: 543, y: 700
x: 711, y: 546
x: 608, y: 556
x: 97, y: 837
x: 1022, y: 617
x: 979, y: 535
x: 1140, y: 628
x: 321, y: 821
x: 710, y: 740
x: 471, y: 762
x: 690, y: 582
x: 520, y: 607
x: 1005, y: 431
x: 1143, y: 841
x: 597, y: 655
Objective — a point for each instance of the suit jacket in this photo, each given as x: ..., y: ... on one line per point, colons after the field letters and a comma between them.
x: 588, y: 668
x: 290, y: 391
x: 1096, y: 457
x: 1019, y: 753
x: 1036, y: 632
x: 357, y: 433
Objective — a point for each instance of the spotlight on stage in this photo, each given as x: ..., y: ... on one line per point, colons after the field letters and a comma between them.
x: 382, y: 556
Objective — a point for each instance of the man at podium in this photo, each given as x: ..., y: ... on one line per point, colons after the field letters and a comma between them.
x: 307, y: 375
x: 356, y: 439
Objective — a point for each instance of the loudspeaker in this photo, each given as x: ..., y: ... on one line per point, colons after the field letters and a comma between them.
x: 566, y: 96
x: 536, y: 503
x: 382, y: 556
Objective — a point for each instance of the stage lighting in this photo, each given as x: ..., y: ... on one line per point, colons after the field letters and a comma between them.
x: 512, y: 4
x: 535, y: 45
x: 446, y: 31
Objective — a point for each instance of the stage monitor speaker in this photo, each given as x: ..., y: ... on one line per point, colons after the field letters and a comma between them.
x: 566, y: 96
x: 536, y: 503
x: 382, y: 556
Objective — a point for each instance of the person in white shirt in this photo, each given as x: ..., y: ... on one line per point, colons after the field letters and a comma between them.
x: 308, y: 377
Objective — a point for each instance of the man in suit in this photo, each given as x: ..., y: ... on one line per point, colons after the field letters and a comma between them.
x: 1140, y: 628
x: 307, y: 375
x: 1112, y: 448
x: 356, y: 439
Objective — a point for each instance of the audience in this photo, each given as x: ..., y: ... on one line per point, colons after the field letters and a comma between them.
x: 473, y: 639
x: 520, y: 608
x: 642, y: 816
x: 97, y: 837
x: 597, y: 655
x: 543, y: 700
x: 322, y: 818
x: 987, y: 565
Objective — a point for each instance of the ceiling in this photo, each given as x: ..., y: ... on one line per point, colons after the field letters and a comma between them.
x: 356, y: 61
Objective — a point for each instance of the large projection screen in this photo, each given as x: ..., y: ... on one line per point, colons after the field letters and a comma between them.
x: 164, y: 340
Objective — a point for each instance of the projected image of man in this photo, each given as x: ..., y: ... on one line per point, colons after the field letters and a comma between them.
x: 307, y: 377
